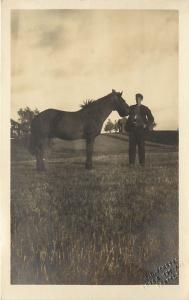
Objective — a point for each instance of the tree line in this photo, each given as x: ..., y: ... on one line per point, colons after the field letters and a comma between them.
x: 111, y: 126
x: 22, y: 127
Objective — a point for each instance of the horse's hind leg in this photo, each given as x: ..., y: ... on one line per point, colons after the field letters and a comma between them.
x: 40, y: 165
x: 89, y: 152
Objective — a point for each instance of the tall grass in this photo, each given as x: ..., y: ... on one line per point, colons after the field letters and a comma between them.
x: 111, y: 225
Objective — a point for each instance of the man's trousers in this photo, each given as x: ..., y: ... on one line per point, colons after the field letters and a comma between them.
x: 137, y: 138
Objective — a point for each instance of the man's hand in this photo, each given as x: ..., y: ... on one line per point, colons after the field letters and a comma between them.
x: 151, y: 126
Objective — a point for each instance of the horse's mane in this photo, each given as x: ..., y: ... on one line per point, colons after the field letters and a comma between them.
x: 89, y: 102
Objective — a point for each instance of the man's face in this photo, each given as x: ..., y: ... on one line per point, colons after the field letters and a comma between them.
x: 138, y: 100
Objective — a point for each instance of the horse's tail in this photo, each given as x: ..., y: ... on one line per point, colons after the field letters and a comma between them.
x: 33, y: 139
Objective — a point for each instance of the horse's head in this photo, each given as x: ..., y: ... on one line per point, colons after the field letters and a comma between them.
x: 119, y: 104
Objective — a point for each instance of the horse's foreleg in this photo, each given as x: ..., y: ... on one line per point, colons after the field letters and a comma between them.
x: 40, y: 165
x: 89, y: 152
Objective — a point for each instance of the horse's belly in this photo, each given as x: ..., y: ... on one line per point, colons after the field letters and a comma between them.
x: 69, y: 136
x: 69, y: 130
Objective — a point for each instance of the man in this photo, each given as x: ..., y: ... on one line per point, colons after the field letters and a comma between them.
x: 140, y: 120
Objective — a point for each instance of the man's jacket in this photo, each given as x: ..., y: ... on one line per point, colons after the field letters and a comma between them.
x: 146, y: 115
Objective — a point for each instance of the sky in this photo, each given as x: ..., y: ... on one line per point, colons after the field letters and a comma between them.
x: 60, y: 58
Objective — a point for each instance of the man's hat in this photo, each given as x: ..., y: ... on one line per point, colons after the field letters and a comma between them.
x: 139, y: 96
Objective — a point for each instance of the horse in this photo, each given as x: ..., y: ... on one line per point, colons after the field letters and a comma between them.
x: 121, y: 125
x: 85, y: 123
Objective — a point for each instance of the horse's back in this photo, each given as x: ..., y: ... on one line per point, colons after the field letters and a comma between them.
x: 47, y: 114
x: 57, y: 123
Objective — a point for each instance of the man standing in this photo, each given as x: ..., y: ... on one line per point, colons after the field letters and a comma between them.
x: 140, y: 120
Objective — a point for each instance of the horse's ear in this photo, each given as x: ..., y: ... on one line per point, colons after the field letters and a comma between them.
x: 121, y: 93
x: 113, y: 91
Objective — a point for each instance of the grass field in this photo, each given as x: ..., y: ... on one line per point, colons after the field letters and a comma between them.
x: 111, y: 225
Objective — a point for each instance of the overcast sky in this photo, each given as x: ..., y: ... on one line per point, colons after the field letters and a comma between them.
x: 62, y: 57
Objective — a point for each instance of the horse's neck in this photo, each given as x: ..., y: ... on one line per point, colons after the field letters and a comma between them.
x: 104, y: 109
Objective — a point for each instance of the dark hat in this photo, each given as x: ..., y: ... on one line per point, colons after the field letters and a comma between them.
x: 139, y: 96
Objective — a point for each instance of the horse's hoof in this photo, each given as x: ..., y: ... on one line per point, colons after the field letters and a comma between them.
x: 41, y: 170
x: 88, y: 167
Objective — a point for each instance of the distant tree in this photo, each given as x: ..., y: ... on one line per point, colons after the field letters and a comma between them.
x: 109, y: 126
x: 25, y: 118
x: 116, y: 126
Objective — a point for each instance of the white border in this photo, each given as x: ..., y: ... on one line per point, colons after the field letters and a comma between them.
x: 73, y: 292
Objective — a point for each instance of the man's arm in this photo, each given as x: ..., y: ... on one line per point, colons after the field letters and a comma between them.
x: 149, y: 116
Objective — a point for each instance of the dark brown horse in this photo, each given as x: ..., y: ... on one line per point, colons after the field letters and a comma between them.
x: 85, y: 123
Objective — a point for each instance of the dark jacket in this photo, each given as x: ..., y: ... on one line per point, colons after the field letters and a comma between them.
x: 146, y: 115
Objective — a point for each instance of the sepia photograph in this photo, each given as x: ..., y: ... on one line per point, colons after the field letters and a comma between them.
x: 94, y: 147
